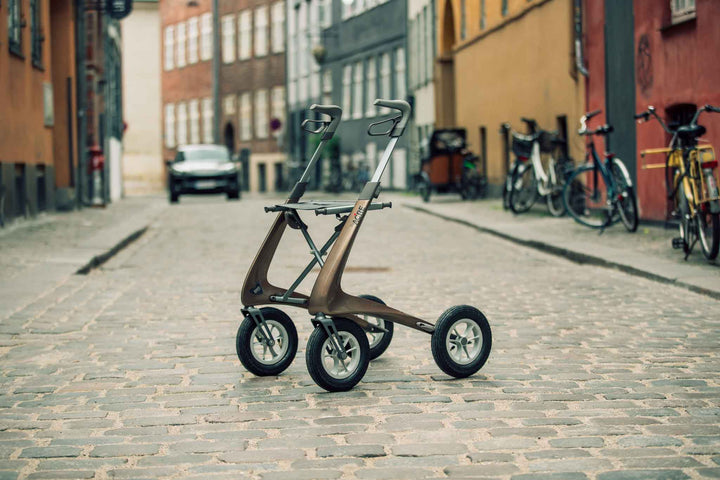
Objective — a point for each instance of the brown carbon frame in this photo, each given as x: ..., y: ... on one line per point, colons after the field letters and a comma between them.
x: 327, y: 296
x: 258, y: 272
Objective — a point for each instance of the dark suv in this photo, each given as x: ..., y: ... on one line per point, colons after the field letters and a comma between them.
x: 203, y: 169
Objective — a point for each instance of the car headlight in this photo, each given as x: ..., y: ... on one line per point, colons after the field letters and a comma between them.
x: 227, y: 167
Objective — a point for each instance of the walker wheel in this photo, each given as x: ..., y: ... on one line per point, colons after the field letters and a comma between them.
x: 461, y: 341
x: 254, y: 352
x: 380, y: 341
x: 325, y: 366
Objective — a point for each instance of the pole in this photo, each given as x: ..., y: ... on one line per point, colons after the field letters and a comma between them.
x: 216, y: 71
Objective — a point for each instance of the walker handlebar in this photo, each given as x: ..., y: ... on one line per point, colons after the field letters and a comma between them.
x: 335, y: 114
x: 405, y: 109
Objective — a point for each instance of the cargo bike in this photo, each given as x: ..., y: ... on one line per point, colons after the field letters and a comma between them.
x: 349, y: 330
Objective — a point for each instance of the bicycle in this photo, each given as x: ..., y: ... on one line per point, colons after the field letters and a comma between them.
x: 600, y: 192
x: 529, y: 180
x: 691, y: 179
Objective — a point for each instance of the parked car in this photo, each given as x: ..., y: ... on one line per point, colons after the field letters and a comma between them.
x: 203, y: 169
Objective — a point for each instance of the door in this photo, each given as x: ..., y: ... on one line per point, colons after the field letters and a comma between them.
x: 620, y: 80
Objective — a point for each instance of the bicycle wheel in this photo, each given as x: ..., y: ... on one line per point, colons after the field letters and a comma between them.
x: 523, y: 193
x: 627, y: 201
x: 708, y: 225
x: 585, y: 197
x: 687, y: 227
x: 554, y: 200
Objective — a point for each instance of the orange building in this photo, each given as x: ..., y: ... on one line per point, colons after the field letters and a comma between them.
x: 37, y: 77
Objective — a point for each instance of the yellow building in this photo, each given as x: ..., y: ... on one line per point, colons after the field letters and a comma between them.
x: 500, y: 60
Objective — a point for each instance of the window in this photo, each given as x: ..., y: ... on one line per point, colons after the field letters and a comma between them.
x: 180, y: 44
x: 430, y: 41
x: 206, y: 39
x: 327, y: 87
x: 14, y: 27
x: 346, y: 93
x: 37, y: 37
x: 261, y: 32
x: 325, y: 13
x: 371, y: 91
x: 483, y: 21
x: 207, y: 119
x: 278, y: 104
x: 228, y: 38
x: 400, y: 85
x: 463, y: 20
x: 682, y: 10
x: 315, y: 86
x: 292, y: 93
x: 245, y: 35
x: 229, y: 105
x: 358, y: 91
x: 245, y: 117
x: 169, y: 47
x: 193, y: 34
x: 278, y: 27
x: 422, y: 46
x: 385, y: 92
x: 194, y: 106
x: 261, y: 114
x: 170, y: 125
x: 182, y: 123
x: 504, y: 8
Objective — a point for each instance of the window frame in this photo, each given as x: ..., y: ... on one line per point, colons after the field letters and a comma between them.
x: 261, y: 114
x: 37, y: 36
x: 227, y: 31
x: 193, y: 35
x: 245, y: 35
x: 246, y: 116
x: 170, y: 139
x: 169, y: 45
x: 180, y: 45
x: 682, y: 14
x: 15, y: 43
x: 260, y: 17
x: 371, y: 87
x: 278, y: 27
x: 206, y: 36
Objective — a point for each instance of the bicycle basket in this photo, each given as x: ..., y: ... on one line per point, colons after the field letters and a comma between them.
x: 548, y: 141
x: 522, y: 145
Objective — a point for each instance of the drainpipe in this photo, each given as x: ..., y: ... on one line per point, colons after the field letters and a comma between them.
x: 579, y: 60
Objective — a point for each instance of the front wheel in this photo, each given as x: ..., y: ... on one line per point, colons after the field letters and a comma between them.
x: 627, y: 200
x: 708, y: 231
x: 268, y: 354
x: 380, y: 341
x: 523, y: 191
x: 424, y: 188
x: 461, y: 341
x: 585, y: 198
x: 325, y: 363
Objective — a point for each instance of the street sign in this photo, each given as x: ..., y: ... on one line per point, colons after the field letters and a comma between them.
x: 119, y: 9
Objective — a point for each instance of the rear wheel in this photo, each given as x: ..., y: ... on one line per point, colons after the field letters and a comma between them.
x: 627, y: 201
x: 380, y: 341
x: 523, y: 192
x: 708, y: 225
x: 687, y: 227
x: 268, y: 354
x: 325, y: 364
x: 423, y: 188
x: 555, y: 203
x: 461, y: 341
x: 585, y: 197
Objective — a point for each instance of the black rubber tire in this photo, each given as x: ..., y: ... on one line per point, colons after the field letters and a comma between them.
x: 442, y: 329
x: 555, y: 202
x: 627, y: 207
x: 384, y: 343
x: 686, y: 225
x: 530, y: 191
x: 424, y: 190
x: 574, y: 199
x: 244, y: 349
x: 314, y: 353
x: 233, y: 194
x: 713, y: 240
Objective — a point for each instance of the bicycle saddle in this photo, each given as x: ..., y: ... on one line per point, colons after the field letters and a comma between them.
x: 605, y: 129
x: 691, y: 131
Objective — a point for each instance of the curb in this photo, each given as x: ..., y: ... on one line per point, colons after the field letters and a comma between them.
x: 98, y: 260
x: 572, y: 255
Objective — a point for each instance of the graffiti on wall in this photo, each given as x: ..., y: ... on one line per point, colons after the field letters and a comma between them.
x: 644, y: 65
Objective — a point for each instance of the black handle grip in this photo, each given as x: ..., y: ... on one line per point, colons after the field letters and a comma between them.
x: 307, y: 121
x: 588, y: 116
x: 405, y: 110
x: 335, y: 114
x: 644, y: 115
x: 710, y: 108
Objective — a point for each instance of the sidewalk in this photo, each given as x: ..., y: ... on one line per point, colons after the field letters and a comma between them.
x: 646, y: 253
x: 38, y: 255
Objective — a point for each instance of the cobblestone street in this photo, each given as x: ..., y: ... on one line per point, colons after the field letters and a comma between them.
x: 131, y: 372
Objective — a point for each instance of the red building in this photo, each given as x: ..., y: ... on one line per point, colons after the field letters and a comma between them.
x: 651, y: 52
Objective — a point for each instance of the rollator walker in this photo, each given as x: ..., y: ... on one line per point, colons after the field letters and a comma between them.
x: 349, y: 330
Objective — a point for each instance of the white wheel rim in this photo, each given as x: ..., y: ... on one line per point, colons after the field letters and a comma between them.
x: 334, y: 366
x: 264, y: 353
x: 374, y: 338
x: 464, y: 341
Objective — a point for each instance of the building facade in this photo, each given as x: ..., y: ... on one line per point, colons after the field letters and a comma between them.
x: 499, y: 60
x: 655, y: 53
x: 252, y: 89
x: 38, y: 107
x: 348, y: 54
x: 421, y: 53
x: 143, y: 170
x: 188, y: 104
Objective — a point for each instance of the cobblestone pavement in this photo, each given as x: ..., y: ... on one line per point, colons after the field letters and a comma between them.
x: 131, y: 372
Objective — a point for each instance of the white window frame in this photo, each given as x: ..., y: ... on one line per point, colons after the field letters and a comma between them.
x: 169, y: 47
x: 182, y: 124
x: 261, y: 113
x: 278, y: 27
x: 194, y: 113
x: 193, y: 27
x: 261, y: 31
x: 228, y: 38
x: 346, y: 88
x: 371, y: 87
x: 246, y: 119
x: 278, y: 105
x: 206, y: 36
x: 180, y: 39
x: 170, y: 125
x: 358, y: 87
x: 245, y: 35
x: 400, y: 71
x: 207, y: 120
x: 385, y: 80
x: 682, y: 10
